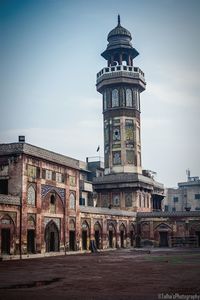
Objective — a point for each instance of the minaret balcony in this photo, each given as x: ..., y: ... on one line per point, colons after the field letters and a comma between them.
x: 121, y: 73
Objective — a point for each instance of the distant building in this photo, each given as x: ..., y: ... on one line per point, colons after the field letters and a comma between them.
x: 186, y: 197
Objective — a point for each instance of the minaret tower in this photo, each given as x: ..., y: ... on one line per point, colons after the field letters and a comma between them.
x: 124, y: 184
x: 121, y: 83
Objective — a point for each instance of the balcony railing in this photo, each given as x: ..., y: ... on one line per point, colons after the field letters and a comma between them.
x: 131, y: 71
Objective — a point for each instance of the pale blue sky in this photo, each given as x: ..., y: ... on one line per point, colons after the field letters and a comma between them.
x: 49, y: 57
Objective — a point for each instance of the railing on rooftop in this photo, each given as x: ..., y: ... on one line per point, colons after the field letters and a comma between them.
x: 134, y: 70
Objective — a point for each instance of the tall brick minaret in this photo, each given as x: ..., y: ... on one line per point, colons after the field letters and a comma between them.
x: 124, y: 184
x: 121, y: 83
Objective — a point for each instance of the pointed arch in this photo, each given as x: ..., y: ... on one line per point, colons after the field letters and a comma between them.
x: 52, y: 237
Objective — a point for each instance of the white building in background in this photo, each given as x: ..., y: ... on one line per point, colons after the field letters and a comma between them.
x: 185, y: 197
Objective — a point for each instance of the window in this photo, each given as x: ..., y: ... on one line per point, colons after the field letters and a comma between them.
x: 129, y: 100
x: 175, y: 199
x: 4, y: 186
x: 173, y: 209
x: 116, y: 200
x: 31, y: 171
x: 72, y: 201
x: 52, y: 204
x: 128, y: 200
x: 31, y: 196
x: 166, y: 208
x: 58, y: 177
x: 116, y: 134
x: 48, y: 175
x: 104, y: 101
x: 104, y: 200
x: 82, y: 201
x: 115, y: 98
x: 72, y: 180
x: 197, y: 196
x: 116, y: 158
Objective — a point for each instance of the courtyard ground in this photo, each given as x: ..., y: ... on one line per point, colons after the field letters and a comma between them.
x: 120, y: 274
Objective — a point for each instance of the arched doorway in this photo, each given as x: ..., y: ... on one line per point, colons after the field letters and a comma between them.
x: 97, y: 234
x: 111, y: 236
x: 52, y: 237
x: 72, y: 235
x: 31, y: 235
x: 7, y: 232
x: 85, y: 236
x: 122, y: 231
x: 163, y: 232
x: 132, y: 234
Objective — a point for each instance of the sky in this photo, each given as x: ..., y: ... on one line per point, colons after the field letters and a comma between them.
x: 50, y: 55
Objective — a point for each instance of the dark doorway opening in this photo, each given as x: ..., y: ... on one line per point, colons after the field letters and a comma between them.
x: 52, y: 237
x: 198, y: 238
x: 31, y: 241
x: 97, y: 238
x: 72, y: 238
x: 131, y: 237
x: 163, y: 239
x: 84, y: 239
x: 122, y: 238
x: 5, y: 241
x: 110, y: 239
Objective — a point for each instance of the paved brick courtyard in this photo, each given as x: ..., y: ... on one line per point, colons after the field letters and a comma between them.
x: 120, y: 274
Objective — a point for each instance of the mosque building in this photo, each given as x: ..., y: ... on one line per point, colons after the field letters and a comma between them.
x: 53, y: 203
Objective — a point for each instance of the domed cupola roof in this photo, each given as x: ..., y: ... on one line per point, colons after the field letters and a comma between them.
x: 119, y: 31
x: 119, y: 41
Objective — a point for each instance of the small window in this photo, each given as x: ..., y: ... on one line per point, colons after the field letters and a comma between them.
x: 115, y: 98
x: 48, y: 175
x: 166, y: 208
x: 116, y: 200
x: 197, y: 196
x: 82, y: 201
x: 72, y: 201
x: 31, y: 171
x: 104, y: 101
x: 173, y: 209
x: 58, y: 177
x: 129, y: 100
x: 175, y: 199
x: 52, y: 204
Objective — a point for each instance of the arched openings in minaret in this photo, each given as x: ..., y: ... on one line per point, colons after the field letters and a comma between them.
x: 120, y: 59
x: 115, y: 98
x: 129, y: 98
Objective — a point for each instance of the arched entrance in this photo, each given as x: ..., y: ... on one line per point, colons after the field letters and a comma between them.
x: 111, y: 236
x: 132, y: 234
x: 52, y: 237
x: 72, y: 235
x: 163, y: 231
x: 85, y: 236
x: 122, y: 231
x: 7, y: 231
x: 97, y: 234
x: 31, y: 235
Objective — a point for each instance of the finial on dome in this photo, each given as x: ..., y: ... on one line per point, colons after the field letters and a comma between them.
x: 119, y: 20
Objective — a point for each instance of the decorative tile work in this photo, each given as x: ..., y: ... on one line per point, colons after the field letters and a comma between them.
x: 104, y: 200
x: 45, y: 189
x: 128, y: 199
x: 117, y: 158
